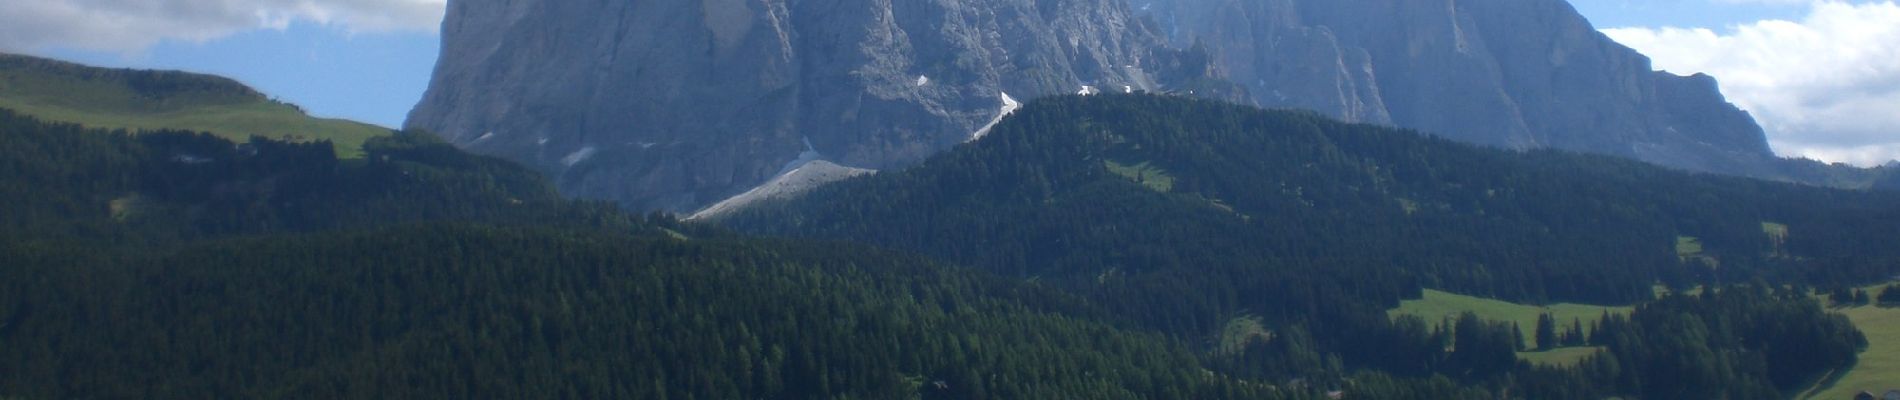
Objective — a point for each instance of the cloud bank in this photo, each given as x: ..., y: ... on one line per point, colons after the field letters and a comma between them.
x: 1826, y: 87
x: 134, y: 25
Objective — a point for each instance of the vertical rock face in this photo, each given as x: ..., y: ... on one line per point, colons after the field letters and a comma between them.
x: 678, y: 104
x: 1511, y: 73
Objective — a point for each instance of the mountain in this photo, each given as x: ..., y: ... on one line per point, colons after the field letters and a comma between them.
x: 679, y: 105
x: 151, y: 100
x: 1509, y: 73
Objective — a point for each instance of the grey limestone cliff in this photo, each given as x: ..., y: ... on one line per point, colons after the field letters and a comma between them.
x: 1512, y: 73
x: 677, y: 104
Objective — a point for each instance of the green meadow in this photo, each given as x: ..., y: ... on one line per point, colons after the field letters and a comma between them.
x: 151, y: 100
x: 1437, y: 306
x: 1879, y: 367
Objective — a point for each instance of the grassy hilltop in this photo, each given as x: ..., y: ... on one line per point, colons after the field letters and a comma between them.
x: 147, y: 100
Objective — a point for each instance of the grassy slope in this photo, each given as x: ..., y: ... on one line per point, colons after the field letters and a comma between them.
x: 1559, y: 357
x: 103, y: 98
x: 1879, y: 366
x: 1144, y: 173
x: 1437, y: 306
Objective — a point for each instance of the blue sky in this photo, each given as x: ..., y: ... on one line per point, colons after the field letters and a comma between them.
x: 369, y: 77
x: 370, y: 60
x: 1685, y: 13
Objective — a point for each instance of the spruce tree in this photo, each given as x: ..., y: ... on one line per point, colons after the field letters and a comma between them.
x: 1546, y: 332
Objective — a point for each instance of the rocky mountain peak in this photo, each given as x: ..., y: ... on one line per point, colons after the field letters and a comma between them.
x: 677, y: 105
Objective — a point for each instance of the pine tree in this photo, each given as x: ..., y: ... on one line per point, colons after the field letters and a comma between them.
x: 1841, y: 297
x: 1574, y: 336
x: 1890, y: 295
x: 1517, y: 336
x: 1546, y: 332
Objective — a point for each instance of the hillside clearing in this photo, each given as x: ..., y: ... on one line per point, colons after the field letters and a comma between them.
x: 1144, y: 173
x: 1559, y: 357
x: 1438, y: 306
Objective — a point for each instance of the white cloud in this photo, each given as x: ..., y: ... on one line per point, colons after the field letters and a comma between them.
x: 1825, y: 87
x: 133, y: 25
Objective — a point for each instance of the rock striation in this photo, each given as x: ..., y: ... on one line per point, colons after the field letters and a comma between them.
x: 678, y: 104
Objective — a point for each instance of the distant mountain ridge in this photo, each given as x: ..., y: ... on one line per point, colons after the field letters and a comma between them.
x: 110, y: 98
x: 1519, y: 74
x: 678, y: 105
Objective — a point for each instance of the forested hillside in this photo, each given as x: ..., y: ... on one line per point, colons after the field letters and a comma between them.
x: 169, y: 264
x: 1184, y: 214
x: 64, y: 181
x: 461, y: 311
x: 182, y: 265
x: 1099, y: 188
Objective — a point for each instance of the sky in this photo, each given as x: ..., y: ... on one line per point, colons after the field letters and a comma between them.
x: 1822, y: 76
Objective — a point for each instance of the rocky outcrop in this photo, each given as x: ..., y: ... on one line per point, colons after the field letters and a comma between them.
x: 1513, y: 73
x: 678, y: 104
x: 796, y: 182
